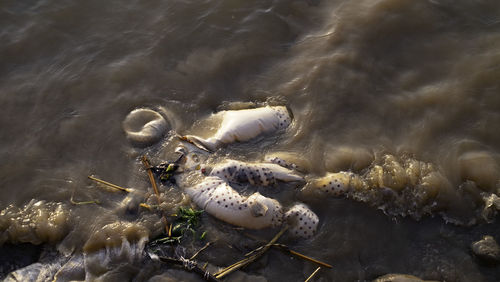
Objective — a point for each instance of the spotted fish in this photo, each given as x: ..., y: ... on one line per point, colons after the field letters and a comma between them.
x: 244, y: 125
x: 217, y: 198
x: 340, y: 183
x: 264, y: 174
x: 303, y: 222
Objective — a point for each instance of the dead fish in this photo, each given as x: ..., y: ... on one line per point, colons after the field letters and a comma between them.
x: 244, y: 125
x: 263, y: 174
x: 217, y: 198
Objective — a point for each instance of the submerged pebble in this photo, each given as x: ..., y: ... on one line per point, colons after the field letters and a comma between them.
x: 487, y: 250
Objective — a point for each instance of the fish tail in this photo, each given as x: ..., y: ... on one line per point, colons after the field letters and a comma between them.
x: 209, y: 144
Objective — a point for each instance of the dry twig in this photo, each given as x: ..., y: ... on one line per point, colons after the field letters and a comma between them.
x: 190, y: 266
x: 312, y: 275
x: 147, y: 165
x: 302, y: 256
x: 114, y: 186
x: 200, y: 250
x: 246, y: 261
x: 83, y: 202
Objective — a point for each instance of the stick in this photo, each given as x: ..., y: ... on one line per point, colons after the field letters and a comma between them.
x: 109, y: 184
x: 302, y: 256
x: 84, y: 202
x: 314, y: 273
x: 246, y: 261
x: 200, y: 250
x: 190, y: 266
x: 147, y: 165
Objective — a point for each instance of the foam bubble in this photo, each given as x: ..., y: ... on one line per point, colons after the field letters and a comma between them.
x: 481, y: 168
x: 115, y: 234
x: 402, y: 186
x: 144, y: 127
x: 37, y: 222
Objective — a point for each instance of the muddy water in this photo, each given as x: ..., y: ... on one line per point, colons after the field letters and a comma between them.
x: 373, y: 86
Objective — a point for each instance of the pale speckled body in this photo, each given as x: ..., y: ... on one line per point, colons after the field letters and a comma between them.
x: 217, y: 198
x: 303, y: 222
x: 339, y: 183
x: 243, y: 125
x: 282, y: 162
x: 263, y: 174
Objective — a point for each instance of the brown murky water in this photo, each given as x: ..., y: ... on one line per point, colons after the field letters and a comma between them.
x: 380, y: 88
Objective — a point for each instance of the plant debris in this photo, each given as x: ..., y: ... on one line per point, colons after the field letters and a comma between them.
x: 246, y: 261
x: 149, y: 170
x: 312, y: 275
x: 186, y: 221
x: 165, y: 172
x: 187, y: 264
x: 185, y: 224
x: 114, y: 186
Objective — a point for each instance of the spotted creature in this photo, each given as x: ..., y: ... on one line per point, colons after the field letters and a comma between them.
x: 244, y: 125
x: 282, y: 162
x: 340, y: 183
x: 303, y: 222
x: 263, y: 174
x: 217, y: 198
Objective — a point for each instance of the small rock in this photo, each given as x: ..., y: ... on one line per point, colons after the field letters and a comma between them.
x: 487, y: 250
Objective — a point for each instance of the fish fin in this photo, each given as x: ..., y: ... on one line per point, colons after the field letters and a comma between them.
x: 204, y: 144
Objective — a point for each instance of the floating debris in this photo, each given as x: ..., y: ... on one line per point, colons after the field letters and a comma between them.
x: 243, y: 125
x: 312, y: 275
x: 114, y: 186
x: 246, y: 261
x: 186, y: 220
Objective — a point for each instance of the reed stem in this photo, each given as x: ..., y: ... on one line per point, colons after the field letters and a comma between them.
x: 312, y: 275
x: 109, y: 184
x: 147, y: 165
x: 302, y: 256
x: 200, y: 250
x: 246, y: 261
